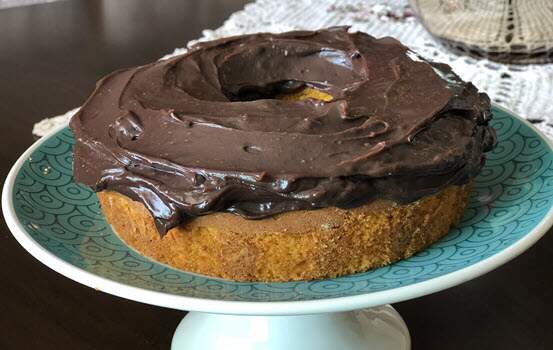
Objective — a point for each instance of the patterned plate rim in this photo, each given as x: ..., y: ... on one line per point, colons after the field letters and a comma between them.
x: 258, y: 307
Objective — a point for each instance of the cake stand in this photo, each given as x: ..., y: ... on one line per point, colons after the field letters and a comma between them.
x: 59, y: 222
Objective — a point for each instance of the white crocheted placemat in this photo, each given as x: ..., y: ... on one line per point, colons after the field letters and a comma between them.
x: 524, y: 89
x: 15, y: 3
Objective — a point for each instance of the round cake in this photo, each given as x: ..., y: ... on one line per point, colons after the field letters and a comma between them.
x: 278, y: 157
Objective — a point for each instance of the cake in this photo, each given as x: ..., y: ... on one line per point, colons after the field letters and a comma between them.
x: 279, y: 157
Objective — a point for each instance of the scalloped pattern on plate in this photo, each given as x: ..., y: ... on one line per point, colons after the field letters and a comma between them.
x: 511, y: 196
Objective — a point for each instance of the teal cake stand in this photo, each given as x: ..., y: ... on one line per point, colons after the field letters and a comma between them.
x: 60, y: 223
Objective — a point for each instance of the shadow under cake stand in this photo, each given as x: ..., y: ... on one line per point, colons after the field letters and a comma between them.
x: 59, y: 222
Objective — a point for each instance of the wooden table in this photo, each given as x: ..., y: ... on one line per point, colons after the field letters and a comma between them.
x: 50, y: 57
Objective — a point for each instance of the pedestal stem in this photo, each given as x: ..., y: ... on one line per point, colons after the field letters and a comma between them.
x: 379, y: 328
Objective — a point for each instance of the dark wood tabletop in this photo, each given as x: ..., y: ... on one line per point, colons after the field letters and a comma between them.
x: 50, y: 58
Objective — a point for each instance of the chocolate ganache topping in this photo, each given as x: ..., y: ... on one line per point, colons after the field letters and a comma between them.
x: 205, y: 132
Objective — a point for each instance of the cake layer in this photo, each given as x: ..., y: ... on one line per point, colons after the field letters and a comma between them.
x: 298, y: 245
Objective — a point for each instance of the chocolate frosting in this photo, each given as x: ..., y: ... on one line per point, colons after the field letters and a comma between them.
x: 203, y: 132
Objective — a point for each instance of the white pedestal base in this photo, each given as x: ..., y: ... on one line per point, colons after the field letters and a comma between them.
x: 378, y: 328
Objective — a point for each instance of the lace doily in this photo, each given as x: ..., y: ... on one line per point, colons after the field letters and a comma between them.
x: 524, y: 89
x: 506, y: 30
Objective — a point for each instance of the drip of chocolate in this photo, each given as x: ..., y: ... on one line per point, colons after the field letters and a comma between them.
x: 204, y: 132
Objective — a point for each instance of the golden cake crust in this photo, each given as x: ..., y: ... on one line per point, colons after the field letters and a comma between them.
x: 297, y: 245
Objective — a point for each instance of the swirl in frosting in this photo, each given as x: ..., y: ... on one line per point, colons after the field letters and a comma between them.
x: 204, y: 132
